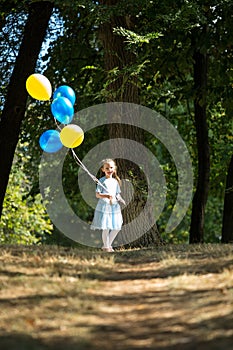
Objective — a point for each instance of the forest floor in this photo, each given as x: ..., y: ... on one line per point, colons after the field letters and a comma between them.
x: 169, y: 297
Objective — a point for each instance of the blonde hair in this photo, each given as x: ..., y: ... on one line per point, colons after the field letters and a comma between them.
x: 109, y: 160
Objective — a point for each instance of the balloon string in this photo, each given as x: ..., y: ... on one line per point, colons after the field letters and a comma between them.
x: 58, y: 126
x: 78, y: 161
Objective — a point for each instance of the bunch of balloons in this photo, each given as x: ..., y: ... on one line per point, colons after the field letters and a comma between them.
x: 62, y: 108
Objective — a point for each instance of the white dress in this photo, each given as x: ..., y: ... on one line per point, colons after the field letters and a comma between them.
x: 108, y: 214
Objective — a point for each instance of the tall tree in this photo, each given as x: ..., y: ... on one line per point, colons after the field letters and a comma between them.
x: 15, y: 105
x: 123, y: 87
x: 201, y: 194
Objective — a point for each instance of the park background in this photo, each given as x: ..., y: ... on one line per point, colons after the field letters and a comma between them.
x: 175, y: 58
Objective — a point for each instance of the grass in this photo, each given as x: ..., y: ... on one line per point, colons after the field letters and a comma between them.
x: 162, y: 298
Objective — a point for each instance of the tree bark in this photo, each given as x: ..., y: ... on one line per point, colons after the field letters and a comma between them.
x: 15, y: 105
x: 202, y: 188
x: 227, y: 226
x: 124, y: 88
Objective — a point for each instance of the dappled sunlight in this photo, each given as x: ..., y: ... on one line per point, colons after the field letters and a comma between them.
x: 138, y: 299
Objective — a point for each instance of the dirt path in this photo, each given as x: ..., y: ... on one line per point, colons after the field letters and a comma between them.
x: 170, y: 298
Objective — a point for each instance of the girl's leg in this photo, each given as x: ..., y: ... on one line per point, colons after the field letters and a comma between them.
x: 112, y: 236
x: 105, y: 238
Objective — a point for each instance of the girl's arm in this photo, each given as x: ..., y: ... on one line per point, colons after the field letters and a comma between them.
x: 103, y: 195
x: 120, y: 199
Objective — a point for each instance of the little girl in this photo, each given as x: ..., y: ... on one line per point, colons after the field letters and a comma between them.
x: 107, y: 216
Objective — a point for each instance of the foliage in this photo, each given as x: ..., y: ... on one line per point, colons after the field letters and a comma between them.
x: 24, y: 219
x: 10, y: 39
x: 161, y: 40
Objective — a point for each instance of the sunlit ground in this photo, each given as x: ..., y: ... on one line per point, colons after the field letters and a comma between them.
x: 170, y: 297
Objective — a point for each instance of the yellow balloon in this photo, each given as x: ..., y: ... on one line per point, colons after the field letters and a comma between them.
x: 39, y: 87
x: 71, y: 136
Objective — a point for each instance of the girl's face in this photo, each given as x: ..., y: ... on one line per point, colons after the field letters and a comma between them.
x: 109, y: 169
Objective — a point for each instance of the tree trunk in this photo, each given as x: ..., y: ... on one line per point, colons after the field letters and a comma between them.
x: 123, y: 87
x: 201, y: 194
x: 227, y: 226
x: 14, y: 109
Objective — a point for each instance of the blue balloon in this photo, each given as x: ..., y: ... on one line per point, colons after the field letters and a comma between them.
x: 50, y: 141
x: 65, y: 91
x: 62, y: 109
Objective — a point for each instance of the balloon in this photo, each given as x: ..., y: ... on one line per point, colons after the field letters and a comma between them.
x: 50, y: 141
x: 65, y: 91
x: 62, y: 109
x: 39, y: 87
x: 71, y: 136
